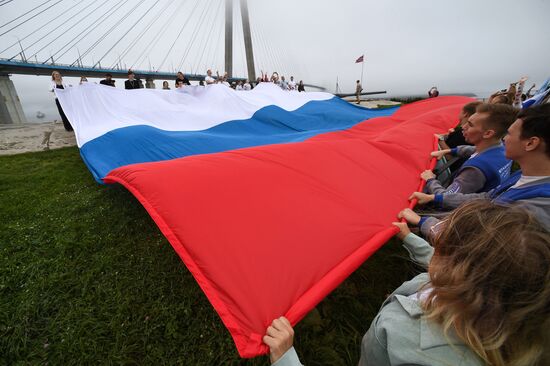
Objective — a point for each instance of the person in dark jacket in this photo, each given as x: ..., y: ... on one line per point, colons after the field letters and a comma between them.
x: 181, y: 77
x: 455, y: 137
x: 132, y: 82
x: 108, y: 80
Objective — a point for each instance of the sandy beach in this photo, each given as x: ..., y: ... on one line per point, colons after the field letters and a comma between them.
x: 17, y: 139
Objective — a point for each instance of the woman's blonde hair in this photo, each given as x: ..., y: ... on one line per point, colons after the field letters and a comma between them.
x: 490, y: 279
x: 56, y: 72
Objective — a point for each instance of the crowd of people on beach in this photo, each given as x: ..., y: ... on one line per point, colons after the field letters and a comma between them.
x: 481, y: 234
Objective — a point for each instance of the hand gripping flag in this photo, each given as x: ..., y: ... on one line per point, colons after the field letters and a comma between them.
x: 273, y: 209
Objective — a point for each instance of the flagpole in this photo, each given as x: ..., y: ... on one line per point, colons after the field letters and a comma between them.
x: 362, y: 67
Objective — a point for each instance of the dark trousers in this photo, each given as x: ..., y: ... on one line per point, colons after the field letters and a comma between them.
x: 66, y: 123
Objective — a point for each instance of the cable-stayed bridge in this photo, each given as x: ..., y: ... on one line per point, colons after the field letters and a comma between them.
x: 154, y: 38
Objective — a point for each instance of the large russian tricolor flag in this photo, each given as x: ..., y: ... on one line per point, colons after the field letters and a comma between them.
x: 270, y: 198
x: 117, y: 127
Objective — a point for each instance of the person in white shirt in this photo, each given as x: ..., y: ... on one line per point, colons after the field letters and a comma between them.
x: 246, y: 85
x: 283, y: 84
x: 223, y: 79
x: 209, y: 79
x: 292, y: 84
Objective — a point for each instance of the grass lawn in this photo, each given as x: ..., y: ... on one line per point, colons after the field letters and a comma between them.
x: 86, y: 277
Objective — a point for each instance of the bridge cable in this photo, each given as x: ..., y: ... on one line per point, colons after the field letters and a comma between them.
x: 277, y: 63
x: 87, y: 30
x: 236, y: 28
x: 243, y: 48
x: 208, y: 37
x: 203, y: 42
x: 190, y: 16
x: 206, y: 43
x: 267, y: 56
x: 275, y: 56
x: 142, y: 33
x: 211, y: 58
x: 34, y: 16
x: 194, y: 34
x: 77, y: 22
x: 288, y: 62
x: 218, y: 45
x: 200, y: 19
x: 198, y: 27
x: 45, y: 24
x: 6, y: 2
x: 157, y: 36
x: 119, y: 22
x: 283, y: 59
x: 221, y: 45
x: 13, y: 20
x: 256, y: 47
x: 262, y: 54
x: 124, y: 35
x: 177, y: 37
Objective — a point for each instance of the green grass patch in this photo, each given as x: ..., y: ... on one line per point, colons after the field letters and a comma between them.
x: 406, y: 100
x: 386, y: 106
x: 86, y: 277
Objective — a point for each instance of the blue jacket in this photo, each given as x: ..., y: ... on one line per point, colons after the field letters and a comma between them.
x: 493, y: 164
x: 535, y: 196
x: 503, y: 193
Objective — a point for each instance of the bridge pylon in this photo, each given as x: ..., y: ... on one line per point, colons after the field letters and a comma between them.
x: 11, y: 111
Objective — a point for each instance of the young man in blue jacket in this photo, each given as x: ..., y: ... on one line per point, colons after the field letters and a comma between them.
x: 487, y: 166
x: 527, y: 143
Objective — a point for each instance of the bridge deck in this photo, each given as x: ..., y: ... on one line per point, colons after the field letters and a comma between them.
x: 38, y: 68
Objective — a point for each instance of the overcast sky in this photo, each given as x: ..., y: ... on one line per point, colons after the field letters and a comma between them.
x: 409, y: 46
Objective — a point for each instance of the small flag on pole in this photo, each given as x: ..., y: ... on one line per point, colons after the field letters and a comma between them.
x: 360, y: 59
